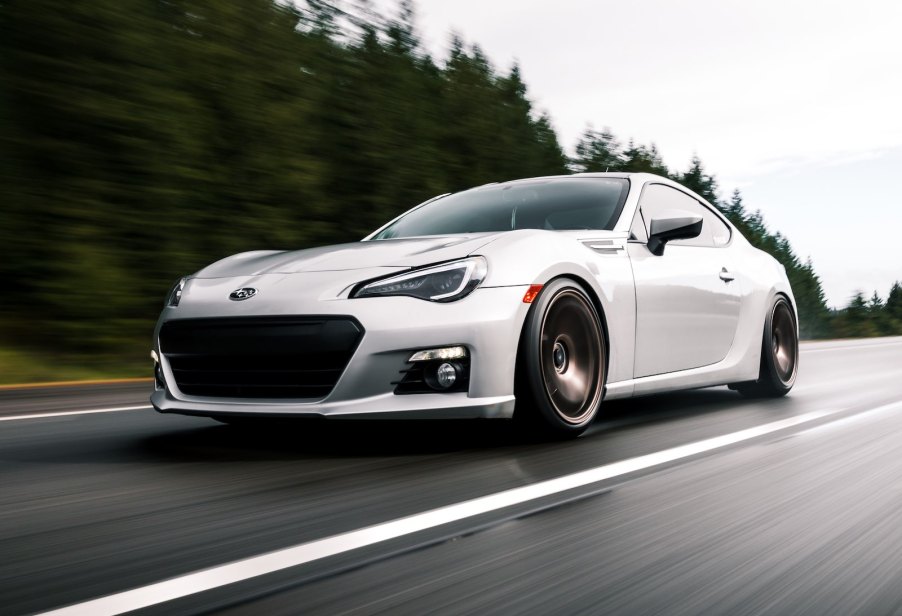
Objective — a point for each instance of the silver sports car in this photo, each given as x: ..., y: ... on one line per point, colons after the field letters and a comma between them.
x: 535, y: 299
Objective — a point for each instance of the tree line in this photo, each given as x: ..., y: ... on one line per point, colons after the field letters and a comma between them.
x: 140, y: 140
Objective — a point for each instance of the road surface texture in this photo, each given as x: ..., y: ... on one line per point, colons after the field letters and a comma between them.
x: 698, y: 502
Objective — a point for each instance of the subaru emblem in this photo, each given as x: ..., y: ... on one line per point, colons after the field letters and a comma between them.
x: 244, y: 293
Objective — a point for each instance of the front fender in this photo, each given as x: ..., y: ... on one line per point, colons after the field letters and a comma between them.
x: 536, y: 257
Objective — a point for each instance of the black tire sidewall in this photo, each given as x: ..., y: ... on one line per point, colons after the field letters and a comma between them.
x: 532, y: 401
x: 769, y: 377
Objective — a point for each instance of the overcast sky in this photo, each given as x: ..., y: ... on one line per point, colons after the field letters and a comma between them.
x: 799, y: 104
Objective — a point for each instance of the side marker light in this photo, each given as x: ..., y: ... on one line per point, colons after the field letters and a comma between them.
x: 531, y: 293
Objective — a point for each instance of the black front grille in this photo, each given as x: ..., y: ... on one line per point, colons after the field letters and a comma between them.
x: 265, y: 357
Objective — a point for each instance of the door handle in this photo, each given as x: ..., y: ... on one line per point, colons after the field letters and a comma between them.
x: 725, y: 275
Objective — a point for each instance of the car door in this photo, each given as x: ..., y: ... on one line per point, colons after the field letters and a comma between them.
x: 687, y: 299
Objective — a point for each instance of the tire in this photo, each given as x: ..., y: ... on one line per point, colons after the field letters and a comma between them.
x: 779, y: 354
x: 561, y: 363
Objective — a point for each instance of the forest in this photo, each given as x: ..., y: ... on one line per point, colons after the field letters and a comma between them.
x: 142, y: 139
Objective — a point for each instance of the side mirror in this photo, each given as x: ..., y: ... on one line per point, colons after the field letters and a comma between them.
x: 662, y: 230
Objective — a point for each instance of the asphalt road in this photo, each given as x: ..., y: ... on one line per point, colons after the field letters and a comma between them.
x: 801, y: 517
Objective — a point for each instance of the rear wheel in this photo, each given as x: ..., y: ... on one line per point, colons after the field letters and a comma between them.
x: 561, y: 363
x: 779, y: 354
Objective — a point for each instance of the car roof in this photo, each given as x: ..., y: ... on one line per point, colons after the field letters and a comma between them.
x: 639, y: 177
x: 617, y: 175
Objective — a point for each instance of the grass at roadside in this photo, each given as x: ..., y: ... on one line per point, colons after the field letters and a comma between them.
x: 18, y: 366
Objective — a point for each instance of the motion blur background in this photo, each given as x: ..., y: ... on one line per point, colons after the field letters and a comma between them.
x: 143, y: 139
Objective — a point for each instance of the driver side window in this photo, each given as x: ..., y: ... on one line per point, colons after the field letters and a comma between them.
x: 661, y: 201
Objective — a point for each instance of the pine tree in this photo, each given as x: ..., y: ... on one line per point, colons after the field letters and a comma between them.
x: 735, y: 210
x: 698, y: 180
x: 597, y: 151
x: 854, y: 321
x: 641, y: 159
x: 401, y: 31
x: 893, y: 304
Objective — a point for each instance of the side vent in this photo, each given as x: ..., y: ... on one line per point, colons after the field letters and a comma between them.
x: 603, y: 247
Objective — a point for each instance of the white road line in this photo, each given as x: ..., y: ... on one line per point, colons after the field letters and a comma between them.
x: 117, y: 409
x: 237, y: 571
x: 851, y: 419
x: 818, y: 348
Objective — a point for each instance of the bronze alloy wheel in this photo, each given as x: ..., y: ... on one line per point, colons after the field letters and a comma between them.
x: 779, y: 354
x: 570, y: 356
x: 784, y: 344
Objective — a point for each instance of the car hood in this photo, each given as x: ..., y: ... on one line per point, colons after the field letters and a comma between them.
x: 397, y: 253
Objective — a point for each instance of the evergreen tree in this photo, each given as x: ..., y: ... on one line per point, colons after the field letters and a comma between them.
x: 893, y: 304
x: 642, y: 159
x: 401, y: 32
x: 598, y: 151
x: 735, y: 210
x: 698, y: 180
x: 854, y: 321
x: 891, y: 315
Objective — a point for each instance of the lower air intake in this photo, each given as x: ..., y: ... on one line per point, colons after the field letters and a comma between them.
x: 259, y: 357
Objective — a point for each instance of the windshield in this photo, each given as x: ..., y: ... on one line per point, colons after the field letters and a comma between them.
x: 555, y: 204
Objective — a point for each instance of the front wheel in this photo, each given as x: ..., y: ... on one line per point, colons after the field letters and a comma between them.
x: 561, y: 362
x: 779, y: 355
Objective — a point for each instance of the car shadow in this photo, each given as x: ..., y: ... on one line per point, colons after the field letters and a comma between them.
x: 306, y: 438
x: 659, y: 408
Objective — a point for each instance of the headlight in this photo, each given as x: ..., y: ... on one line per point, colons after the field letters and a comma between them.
x: 447, y: 282
x: 175, y: 293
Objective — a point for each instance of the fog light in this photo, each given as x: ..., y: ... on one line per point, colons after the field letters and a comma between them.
x: 445, y: 375
x: 437, y: 376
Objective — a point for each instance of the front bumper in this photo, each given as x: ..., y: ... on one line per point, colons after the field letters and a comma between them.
x: 386, y: 406
x: 487, y: 322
